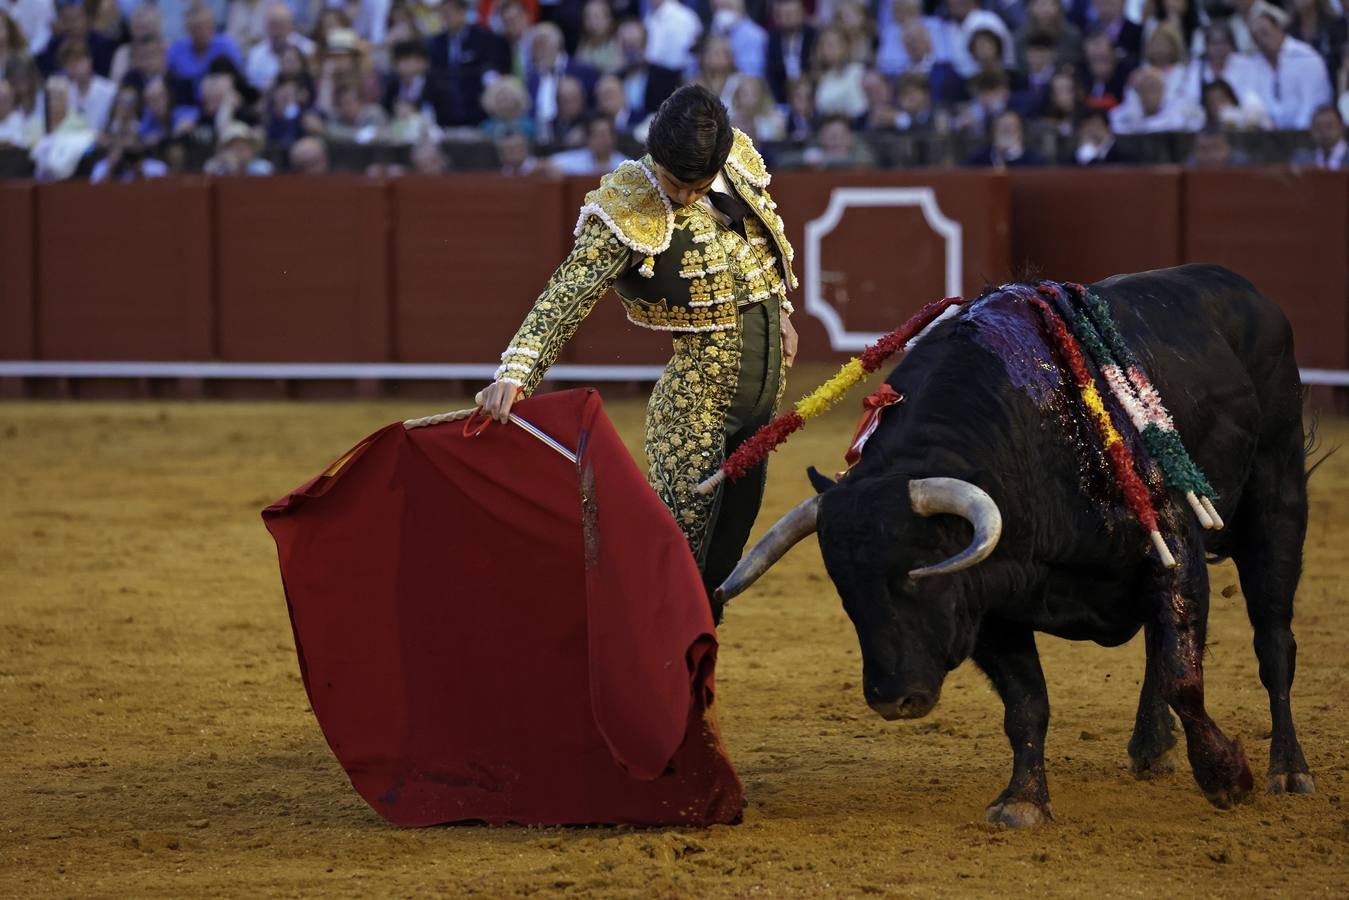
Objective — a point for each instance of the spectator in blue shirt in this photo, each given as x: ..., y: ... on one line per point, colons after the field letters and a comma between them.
x: 748, y: 40
x: 190, y: 57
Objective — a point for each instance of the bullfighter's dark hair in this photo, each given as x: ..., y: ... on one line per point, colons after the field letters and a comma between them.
x: 691, y: 135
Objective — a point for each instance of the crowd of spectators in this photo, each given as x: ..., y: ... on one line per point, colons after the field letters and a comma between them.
x: 126, y: 89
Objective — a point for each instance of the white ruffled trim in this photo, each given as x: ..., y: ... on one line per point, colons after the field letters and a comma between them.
x: 786, y: 306
x: 515, y: 381
x: 519, y: 351
x: 704, y: 237
x: 758, y: 182
x: 759, y: 241
x: 594, y: 209
x: 716, y: 300
x: 511, y: 367
x: 755, y: 273
x: 699, y: 273
x: 729, y: 326
x: 759, y: 295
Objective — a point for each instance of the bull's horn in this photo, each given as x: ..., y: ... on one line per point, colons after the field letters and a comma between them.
x: 790, y: 529
x: 930, y: 496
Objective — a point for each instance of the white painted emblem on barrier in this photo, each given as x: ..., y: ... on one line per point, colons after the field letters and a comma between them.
x: 840, y: 338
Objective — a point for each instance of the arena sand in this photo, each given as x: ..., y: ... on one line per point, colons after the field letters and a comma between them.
x: 155, y: 738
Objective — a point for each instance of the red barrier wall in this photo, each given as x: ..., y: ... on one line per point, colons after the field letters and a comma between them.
x: 441, y: 270
x: 879, y: 264
x: 1084, y: 224
x: 1287, y: 232
x: 124, y: 271
x: 18, y: 340
x: 302, y: 269
x: 470, y: 256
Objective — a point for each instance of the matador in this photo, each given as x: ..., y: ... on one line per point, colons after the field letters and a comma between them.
x: 690, y: 240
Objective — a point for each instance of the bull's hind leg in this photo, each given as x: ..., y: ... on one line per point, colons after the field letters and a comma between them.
x: 1175, y: 640
x: 1152, y: 746
x: 1008, y: 656
x: 1270, y: 525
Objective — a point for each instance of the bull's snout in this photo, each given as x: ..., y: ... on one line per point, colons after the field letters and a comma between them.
x: 910, y: 706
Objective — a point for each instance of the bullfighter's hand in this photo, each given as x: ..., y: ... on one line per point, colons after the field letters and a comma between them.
x: 497, y: 399
x: 789, y: 340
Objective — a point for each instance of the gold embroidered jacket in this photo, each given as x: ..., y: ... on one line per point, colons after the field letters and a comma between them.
x: 674, y: 270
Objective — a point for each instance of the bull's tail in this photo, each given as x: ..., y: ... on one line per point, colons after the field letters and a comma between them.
x: 1311, y: 444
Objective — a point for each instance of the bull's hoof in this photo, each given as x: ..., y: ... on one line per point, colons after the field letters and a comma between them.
x: 1147, y: 767
x: 1220, y: 768
x: 1228, y: 798
x: 1239, y: 791
x: 1018, y: 814
x: 1291, y: 783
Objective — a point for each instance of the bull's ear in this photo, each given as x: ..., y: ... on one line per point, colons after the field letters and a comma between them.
x: 819, y: 481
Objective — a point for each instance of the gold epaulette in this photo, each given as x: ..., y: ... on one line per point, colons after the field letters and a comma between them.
x: 746, y: 170
x: 635, y: 209
x: 747, y: 162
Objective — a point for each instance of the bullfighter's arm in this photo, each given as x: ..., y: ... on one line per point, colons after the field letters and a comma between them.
x: 595, y: 262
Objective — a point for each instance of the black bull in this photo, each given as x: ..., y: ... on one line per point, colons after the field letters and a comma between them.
x: 982, y: 408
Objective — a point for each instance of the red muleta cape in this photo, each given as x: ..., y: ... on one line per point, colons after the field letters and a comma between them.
x: 489, y: 632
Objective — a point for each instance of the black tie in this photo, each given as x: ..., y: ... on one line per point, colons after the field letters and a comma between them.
x: 731, y: 207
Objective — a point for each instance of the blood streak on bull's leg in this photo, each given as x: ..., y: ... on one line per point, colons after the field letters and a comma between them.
x: 1176, y: 640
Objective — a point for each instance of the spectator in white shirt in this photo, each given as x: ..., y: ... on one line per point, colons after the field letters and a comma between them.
x: 1223, y: 107
x: 13, y: 45
x: 671, y: 31
x: 1221, y: 62
x: 34, y: 18
x: 964, y: 21
x: 749, y: 42
x: 598, y: 156
x: 264, y: 60
x: 838, y: 80
x: 13, y: 123
x: 246, y: 22
x: 66, y: 136
x: 1165, y: 52
x: 1146, y: 108
x: 1240, y: 22
x: 146, y: 27
x: 1342, y: 80
x: 1297, y: 82
x: 91, y: 95
x: 1329, y: 149
x: 752, y: 111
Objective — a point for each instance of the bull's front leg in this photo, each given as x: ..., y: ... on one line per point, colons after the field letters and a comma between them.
x: 1007, y: 654
x: 1175, y: 642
